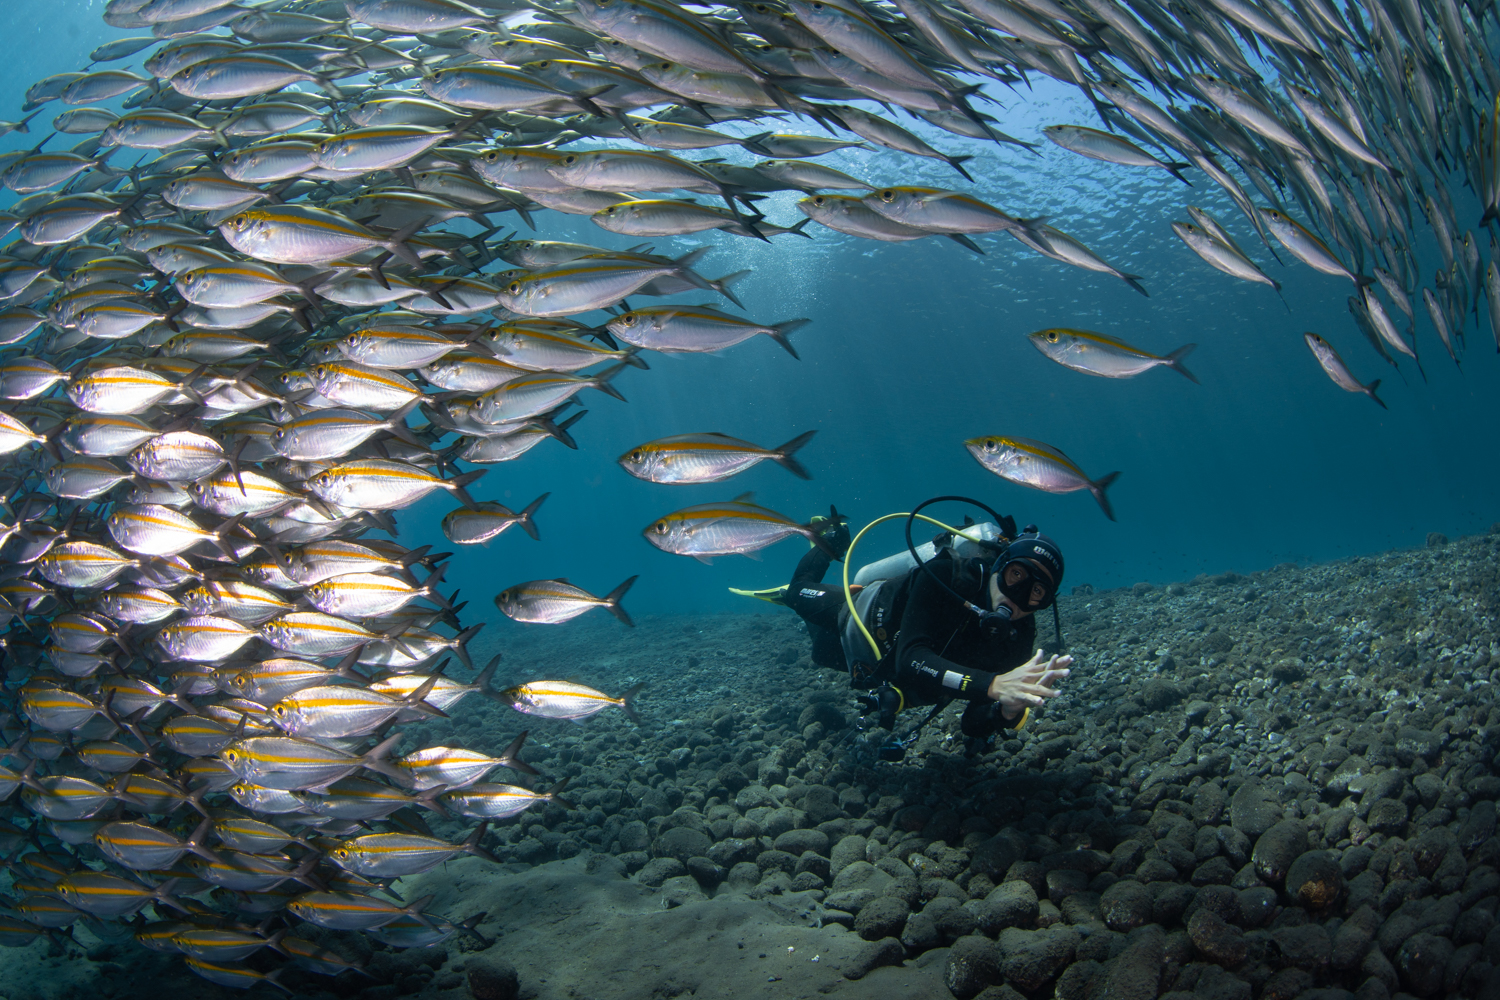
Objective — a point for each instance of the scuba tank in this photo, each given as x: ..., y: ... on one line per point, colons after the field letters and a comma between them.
x: 973, y: 540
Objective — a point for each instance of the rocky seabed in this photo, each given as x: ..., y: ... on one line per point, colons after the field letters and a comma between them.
x: 1279, y: 786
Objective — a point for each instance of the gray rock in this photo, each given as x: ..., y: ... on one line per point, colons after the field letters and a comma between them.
x: 958, y: 921
x: 1353, y: 938
x: 776, y: 861
x: 994, y: 857
x: 1030, y: 959
x: 1253, y: 810
x: 681, y: 890
x: 1257, y: 905
x: 1221, y: 943
x: 753, y: 796
x: 1388, y: 816
x: 973, y: 964
x: 1136, y: 973
x: 743, y: 875
x: 850, y: 900
x: 681, y: 842
x: 1216, y: 984
x: 1422, y: 961
x: 882, y: 917
x: 658, y: 870
x: 806, y: 881
x: 816, y: 865
x: 1010, y: 904
x: 492, y: 977
x: 634, y: 836
x: 1307, y: 947
x: 705, y: 871
x: 1413, y: 743
x: 1277, y: 848
x: 797, y: 842
x: 859, y: 875
x: 920, y: 932
x: 821, y: 803
x: 1126, y: 905
x: 887, y: 951
x: 846, y: 851
x: 1316, y: 880
x: 731, y: 851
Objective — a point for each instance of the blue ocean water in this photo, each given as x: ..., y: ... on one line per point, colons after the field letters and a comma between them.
x: 914, y: 347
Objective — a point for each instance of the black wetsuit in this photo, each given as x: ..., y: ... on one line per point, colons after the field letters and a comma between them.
x: 938, y: 649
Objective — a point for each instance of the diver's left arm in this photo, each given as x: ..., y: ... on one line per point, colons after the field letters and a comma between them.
x: 1030, y: 684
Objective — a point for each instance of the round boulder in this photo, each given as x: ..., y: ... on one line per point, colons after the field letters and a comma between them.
x: 1422, y: 961
x: 1221, y: 943
x: 881, y: 918
x: 1253, y: 810
x: 1277, y: 848
x: 492, y: 978
x: 1126, y: 905
x: 973, y: 964
x: 681, y: 842
x: 1316, y: 880
x: 799, y: 842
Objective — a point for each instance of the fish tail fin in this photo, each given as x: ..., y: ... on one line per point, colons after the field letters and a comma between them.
x: 612, y: 604
x: 396, y: 423
x: 783, y: 456
x: 1363, y: 280
x: 512, y: 756
x: 555, y: 794
x: 1370, y: 391
x: 1175, y: 169
x: 627, y: 702
x: 415, y: 910
x: 471, y: 843
x: 560, y: 430
x: 690, y: 259
x: 163, y: 894
x: 957, y: 163
x: 1134, y: 281
x: 602, y: 381
x: 429, y: 588
x: 1097, y: 488
x: 461, y: 644
x: 526, y: 516
x: 781, y: 333
x: 396, y: 244
x: 1174, y: 361
x: 722, y: 286
x: 633, y: 359
x: 457, y: 483
x: 221, y: 535
x: 377, y: 760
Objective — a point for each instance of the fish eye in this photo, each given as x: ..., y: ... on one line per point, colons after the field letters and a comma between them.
x: 514, y: 288
x: 1052, y: 336
x: 660, y: 527
x: 818, y: 201
x: 571, y: 158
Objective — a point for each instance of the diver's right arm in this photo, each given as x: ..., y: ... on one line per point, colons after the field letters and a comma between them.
x: 927, y: 625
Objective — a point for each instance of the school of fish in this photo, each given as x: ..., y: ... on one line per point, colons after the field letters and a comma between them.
x: 222, y: 305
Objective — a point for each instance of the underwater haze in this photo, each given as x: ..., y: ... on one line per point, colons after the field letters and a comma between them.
x: 913, y: 348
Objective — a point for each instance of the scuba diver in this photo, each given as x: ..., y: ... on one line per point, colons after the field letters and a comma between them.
x: 951, y: 626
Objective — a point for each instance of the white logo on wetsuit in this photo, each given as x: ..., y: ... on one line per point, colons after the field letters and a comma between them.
x: 810, y: 592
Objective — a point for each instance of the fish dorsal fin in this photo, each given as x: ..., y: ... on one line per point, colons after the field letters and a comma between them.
x: 745, y: 497
x: 561, y: 579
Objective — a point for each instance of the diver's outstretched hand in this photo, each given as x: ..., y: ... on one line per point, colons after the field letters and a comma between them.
x: 1030, y: 684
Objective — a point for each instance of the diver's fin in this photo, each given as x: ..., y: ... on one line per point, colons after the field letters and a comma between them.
x: 771, y: 595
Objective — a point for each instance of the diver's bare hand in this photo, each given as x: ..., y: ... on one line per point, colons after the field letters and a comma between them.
x: 1030, y: 684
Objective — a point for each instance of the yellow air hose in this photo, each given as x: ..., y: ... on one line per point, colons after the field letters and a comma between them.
x: 854, y: 614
